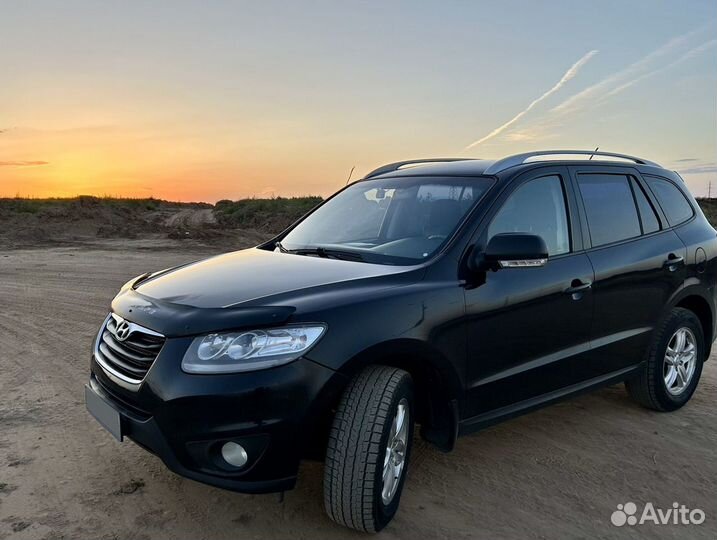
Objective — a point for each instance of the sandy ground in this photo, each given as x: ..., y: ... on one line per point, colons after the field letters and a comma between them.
x: 557, y: 473
x: 191, y: 218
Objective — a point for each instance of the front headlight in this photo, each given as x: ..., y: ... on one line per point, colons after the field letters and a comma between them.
x: 249, y: 350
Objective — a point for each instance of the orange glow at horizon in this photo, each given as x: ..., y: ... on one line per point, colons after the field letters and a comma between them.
x: 134, y: 163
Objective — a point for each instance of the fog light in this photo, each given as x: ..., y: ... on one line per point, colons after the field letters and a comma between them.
x: 234, y: 454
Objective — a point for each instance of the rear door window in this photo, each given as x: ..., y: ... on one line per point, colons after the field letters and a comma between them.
x: 609, y: 207
x: 671, y: 199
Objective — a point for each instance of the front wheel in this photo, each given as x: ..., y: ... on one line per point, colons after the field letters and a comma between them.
x: 369, y: 447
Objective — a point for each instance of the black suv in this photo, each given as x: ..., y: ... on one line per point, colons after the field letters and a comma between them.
x: 448, y: 293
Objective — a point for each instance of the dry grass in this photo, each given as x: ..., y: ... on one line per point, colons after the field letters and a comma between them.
x: 709, y: 207
x: 28, y: 222
x: 273, y: 214
x: 29, y: 205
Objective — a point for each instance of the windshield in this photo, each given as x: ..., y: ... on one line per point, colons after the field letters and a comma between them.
x: 390, y: 221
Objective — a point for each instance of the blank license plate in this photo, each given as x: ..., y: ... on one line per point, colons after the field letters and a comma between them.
x: 104, y: 413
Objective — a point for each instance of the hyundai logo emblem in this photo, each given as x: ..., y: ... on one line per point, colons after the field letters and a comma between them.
x: 122, y: 331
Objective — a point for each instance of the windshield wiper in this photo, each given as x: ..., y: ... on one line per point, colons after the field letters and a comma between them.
x: 327, y: 253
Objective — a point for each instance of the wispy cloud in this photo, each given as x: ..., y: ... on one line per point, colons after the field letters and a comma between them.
x: 683, y: 160
x: 700, y: 169
x: 569, y: 74
x: 22, y: 163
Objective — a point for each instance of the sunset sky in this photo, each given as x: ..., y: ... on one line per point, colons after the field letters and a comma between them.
x: 224, y: 99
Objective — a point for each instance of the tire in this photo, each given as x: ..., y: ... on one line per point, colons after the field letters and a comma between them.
x: 650, y: 387
x: 357, y: 448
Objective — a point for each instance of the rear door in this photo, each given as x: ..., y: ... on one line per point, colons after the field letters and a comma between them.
x: 638, y: 262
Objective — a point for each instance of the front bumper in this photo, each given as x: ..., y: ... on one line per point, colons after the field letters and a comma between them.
x: 275, y: 414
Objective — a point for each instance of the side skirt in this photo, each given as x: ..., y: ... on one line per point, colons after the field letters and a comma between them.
x: 481, y: 421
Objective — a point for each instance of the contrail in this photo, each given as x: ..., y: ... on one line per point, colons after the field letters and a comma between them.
x: 634, y: 71
x: 569, y: 74
x: 655, y: 62
x: 689, y: 54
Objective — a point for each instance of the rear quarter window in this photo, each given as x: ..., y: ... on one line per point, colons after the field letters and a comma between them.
x: 648, y: 217
x: 674, y: 204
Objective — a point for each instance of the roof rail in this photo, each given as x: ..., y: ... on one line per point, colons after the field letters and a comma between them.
x: 519, y: 159
x: 399, y: 164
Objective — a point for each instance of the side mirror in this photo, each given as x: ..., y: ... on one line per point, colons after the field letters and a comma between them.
x: 511, y: 250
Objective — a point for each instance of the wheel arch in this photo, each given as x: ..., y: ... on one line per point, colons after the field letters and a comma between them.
x: 694, y: 300
x: 437, y: 384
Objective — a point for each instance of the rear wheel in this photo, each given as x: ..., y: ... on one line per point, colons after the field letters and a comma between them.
x: 369, y: 447
x: 674, y: 363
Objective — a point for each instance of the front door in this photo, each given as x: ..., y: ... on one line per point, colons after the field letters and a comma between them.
x: 528, y: 328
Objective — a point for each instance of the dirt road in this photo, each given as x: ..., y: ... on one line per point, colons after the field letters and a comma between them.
x: 191, y: 218
x: 557, y: 473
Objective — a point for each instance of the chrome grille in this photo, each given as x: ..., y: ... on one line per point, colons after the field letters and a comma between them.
x: 126, y: 350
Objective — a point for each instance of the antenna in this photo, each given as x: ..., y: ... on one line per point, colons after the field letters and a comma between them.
x: 350, y: 173
x: 591, y: 155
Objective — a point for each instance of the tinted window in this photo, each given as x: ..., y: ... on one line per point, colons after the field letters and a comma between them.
x: 650, y: 223
x: 536, y: 207
x: 672, y: 200
x: 390, y: 221
x: 610, y: 208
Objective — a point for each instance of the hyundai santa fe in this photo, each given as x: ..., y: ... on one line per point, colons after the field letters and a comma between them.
x: 449, y: 294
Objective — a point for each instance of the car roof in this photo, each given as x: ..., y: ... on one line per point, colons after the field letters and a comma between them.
x: 480, y: 167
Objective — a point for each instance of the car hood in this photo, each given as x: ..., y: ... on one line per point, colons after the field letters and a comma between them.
x: 241, y: 277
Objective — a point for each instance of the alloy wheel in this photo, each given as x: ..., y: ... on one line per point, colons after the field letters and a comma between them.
x: 680, y: 361
x: 395, y: 458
